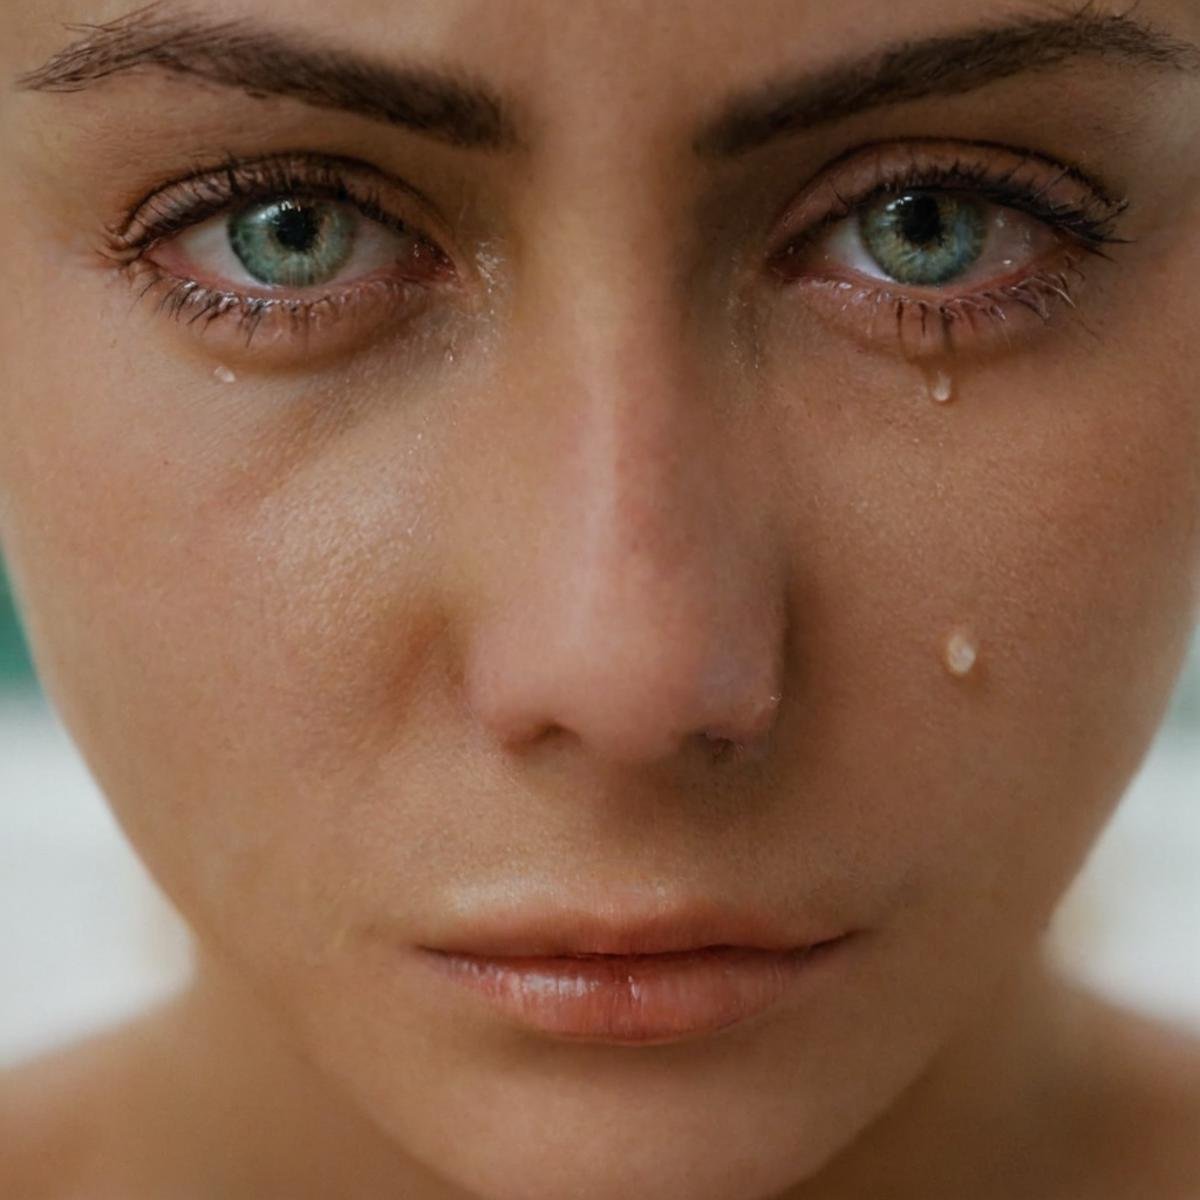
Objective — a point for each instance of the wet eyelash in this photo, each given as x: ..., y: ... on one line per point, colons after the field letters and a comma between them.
x: 235, y: 184
x: 192, y: 303
x: 1090, y: 224
x: 916, y: 318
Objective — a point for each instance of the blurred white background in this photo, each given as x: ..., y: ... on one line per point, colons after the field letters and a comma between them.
x: 85, y: 938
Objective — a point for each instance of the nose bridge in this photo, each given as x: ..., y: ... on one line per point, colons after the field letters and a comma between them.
x: 646, y: 615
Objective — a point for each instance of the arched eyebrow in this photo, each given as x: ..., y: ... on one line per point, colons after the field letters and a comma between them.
x: 239, y: 53
x: 452, y: 108
x: 946, y: 65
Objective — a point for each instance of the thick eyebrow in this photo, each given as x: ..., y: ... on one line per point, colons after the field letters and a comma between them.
x: 463, y: 112
x: 238, y: 53
x: 940, y: 66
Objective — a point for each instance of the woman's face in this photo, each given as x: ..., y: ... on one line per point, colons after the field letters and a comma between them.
x: 396, y: 509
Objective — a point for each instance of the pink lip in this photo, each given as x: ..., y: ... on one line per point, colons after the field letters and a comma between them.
x: 623, y: 968
x: 637, y: 999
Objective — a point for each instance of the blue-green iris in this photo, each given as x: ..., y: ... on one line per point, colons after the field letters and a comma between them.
x: 293, y: 243
x: 924, y: 238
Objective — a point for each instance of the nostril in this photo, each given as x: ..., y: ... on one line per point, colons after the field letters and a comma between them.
x: 745, y: 736
x: 720, y: 747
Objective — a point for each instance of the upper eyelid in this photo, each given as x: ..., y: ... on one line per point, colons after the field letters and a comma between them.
x: 889, y: 173
x: 980, y: 147
x: 1004, y: 199
x: 281, y: 171
x: 365, y: 185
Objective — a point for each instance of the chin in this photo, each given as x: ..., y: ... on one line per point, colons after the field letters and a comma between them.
x: 750, y: 1111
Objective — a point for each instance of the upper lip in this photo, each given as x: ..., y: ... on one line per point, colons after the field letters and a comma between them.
x: 550, y: 932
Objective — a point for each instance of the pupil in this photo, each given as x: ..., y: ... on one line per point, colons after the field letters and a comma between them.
x: 297, y: 229
x: 920, y: 219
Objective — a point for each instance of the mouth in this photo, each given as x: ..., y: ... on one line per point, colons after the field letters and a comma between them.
x: 637, y: 999
x: 672, y: 976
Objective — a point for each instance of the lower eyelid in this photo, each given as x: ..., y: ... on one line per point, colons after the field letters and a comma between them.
x: 176, y: 254
x: 286, y: 330
x: 1027, y: 274
x: 997, y: 316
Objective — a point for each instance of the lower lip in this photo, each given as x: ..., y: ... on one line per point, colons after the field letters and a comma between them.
x: 636, y: 999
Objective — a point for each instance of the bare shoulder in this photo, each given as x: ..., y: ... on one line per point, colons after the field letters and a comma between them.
x: 52, y: 1124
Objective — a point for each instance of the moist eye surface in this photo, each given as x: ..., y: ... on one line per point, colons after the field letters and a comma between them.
x: 923, y: 237
x: 293, y: 243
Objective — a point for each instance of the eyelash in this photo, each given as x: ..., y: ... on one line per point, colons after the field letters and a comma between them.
x: 191, y: 201
x: 1088, y: 224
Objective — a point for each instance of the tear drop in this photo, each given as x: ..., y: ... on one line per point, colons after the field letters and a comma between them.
x: 224, y: 375
x: 941, y: 387
x: 961, y: 653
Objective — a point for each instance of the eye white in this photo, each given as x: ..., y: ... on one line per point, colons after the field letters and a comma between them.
x: 207, y: 249
x: 1014, y: 240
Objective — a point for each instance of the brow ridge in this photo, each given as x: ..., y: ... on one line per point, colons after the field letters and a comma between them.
x: 235, y: 52
x: 463, y: 112
x: 943, y: 65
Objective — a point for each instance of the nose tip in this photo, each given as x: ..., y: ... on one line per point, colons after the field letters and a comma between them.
x: 628, y: 715
x: 633, y: 742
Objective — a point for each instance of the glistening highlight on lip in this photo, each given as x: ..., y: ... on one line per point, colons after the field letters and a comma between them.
x: 636, y: 999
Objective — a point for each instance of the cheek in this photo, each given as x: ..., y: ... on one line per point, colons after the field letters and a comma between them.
x: 1052, y: 510
x: 230, y: 604
x: 223, y: 611
x: 1088, y: 546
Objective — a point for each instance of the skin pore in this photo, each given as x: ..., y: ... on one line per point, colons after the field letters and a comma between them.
x: 378, y: 601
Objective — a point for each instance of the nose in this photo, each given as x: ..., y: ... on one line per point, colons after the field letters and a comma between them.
x: 638, y: 609
x: 633, y: 671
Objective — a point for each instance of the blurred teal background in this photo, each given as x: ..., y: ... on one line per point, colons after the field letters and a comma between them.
x: 15, y: 667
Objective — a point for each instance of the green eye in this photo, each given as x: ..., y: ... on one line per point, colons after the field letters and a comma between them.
x: 293, y: 243
x: 924, y: 238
